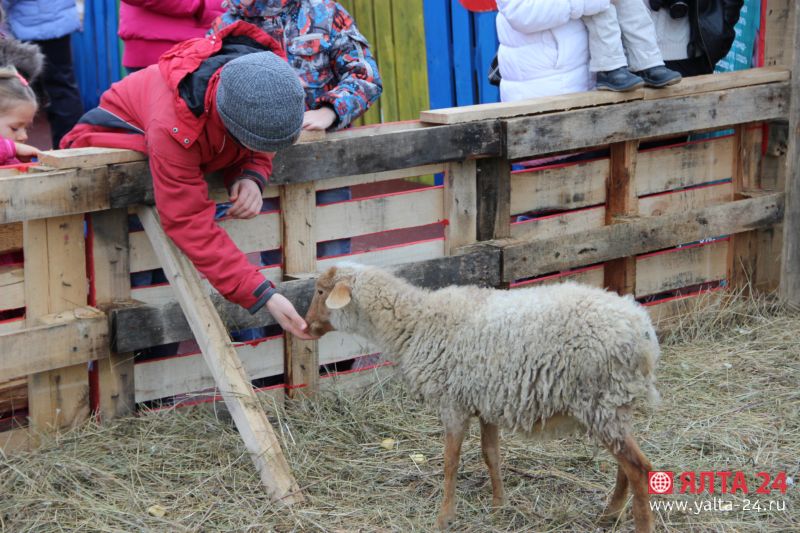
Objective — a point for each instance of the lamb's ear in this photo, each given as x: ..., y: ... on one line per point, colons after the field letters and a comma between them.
x: 339, y: 296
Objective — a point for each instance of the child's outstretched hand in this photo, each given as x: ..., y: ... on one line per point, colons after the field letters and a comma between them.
x: 26, y: 152
x: 284, y: 312
x: 319, y: 119
x: 246, y: 199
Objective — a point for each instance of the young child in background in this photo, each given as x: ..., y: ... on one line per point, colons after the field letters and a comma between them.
x: 193, y: 113
x: 20, y: 63
x: 624, y: 50
x: 334, y: 63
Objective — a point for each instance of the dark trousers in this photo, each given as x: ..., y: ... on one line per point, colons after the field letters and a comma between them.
x: 63, y: 105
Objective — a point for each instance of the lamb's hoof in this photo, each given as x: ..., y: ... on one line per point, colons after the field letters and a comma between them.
x: 444, y: 520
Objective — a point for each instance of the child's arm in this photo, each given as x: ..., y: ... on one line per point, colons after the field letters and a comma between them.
x: 359, y: 81
x: 187, y: 216
x: 531, y: 16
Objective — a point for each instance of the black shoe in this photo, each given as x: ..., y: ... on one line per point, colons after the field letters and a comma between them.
x: 659, y: 77
x: 619, y: 80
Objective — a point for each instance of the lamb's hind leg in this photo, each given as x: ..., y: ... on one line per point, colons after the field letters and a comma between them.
x: 617, y: 503
x: 490, y: 445
x: 636, y: 467
x: 453, y: 437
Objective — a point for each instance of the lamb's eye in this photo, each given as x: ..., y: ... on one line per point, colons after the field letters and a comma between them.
x: 319, y: 291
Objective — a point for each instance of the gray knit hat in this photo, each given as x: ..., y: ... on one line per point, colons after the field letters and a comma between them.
x: 261, y: 101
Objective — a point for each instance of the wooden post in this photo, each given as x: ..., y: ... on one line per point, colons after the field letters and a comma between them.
x: 743, y: 247
x: 494, y: 198
x: 224, y: 363
x: 112, y: 285
x: 622, y: 201
x: 460, y: 204
x: 298, y: 213
x: 55, y: 281
x: 790, y: 270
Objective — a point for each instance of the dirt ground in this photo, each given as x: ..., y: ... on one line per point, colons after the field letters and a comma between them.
x: 731, y: 403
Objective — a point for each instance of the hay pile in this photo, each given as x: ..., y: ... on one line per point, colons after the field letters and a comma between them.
x: 731, y: 401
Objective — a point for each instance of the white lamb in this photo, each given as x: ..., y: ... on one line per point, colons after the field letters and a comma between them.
x: 531, y: 360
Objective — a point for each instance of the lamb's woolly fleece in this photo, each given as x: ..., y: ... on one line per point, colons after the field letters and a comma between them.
x: 513, y: 358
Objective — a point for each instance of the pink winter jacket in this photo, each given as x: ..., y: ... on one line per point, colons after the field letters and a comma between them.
x: 151, y: 27
x: 8, y: 152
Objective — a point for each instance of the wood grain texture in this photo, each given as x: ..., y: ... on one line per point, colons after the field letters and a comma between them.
x: 142, y: 326
x: 574, y: 130
x: 790, y: 270
x: 522, y: 260
x: 229, y: 375
x: 88, y: 157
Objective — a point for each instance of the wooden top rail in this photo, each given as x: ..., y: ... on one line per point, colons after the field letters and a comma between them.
x: 712, y: 102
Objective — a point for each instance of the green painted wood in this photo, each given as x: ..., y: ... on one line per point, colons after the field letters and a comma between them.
x: 410, y: 59
x: 364, y: 15
x: 385, y: 44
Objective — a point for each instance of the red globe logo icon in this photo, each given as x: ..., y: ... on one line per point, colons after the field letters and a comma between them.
x: 660, y: 482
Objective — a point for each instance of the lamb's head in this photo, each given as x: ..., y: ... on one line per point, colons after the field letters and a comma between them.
x: 332, y: 296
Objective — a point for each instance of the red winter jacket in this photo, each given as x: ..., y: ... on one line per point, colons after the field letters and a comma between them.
x: 148, y: 112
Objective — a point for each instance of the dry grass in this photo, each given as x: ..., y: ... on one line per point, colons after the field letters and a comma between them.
x: 729, y: 381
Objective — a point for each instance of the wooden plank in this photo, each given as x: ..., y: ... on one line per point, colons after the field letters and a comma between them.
x: 682, y: 267
x: 576, y: 221
x: 593, y: 275
x: 533, y: 106
x: 574, y: 130
x: 402, y: 173
x: 162, y: 293
x: 494, y: 198
x: 393, y: 255
x: 55, y: 281
x: 622, y: 202
x: 111, y: 256
x: 301, y: 221
x: 401, y: 145
x: 88, y: 157
x: 161, y: 378
x: 385, y: 43
x: 251, y: 235
x: 790, y: 269
x: 681, y: 201
x: 412, y: 73
x: 64, y: 192
x: 743, y: 249
x: 663, y: 314
x: 364, y: 15
x: 10, y: 326
x: 376, y: 214
x: 142, y: 326
x: 526, y: 259
x: 560, y: 187
x: 12, y: 287
x: 10, y: 237
x: 66, y: 339
x: 13, y: 397
x: 214, y: 342
x: 780, y: 33
x: 566, y: 102
x: 335, y: 347
x: 685, y: 165
x: 461, y: 204
x: 719, y: 82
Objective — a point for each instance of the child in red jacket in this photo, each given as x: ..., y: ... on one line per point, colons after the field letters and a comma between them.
x: 227, y: 102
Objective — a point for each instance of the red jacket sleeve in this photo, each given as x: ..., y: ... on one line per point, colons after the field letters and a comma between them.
x: 8, y: 151
x: 257, y: 168
x: 187, y: 216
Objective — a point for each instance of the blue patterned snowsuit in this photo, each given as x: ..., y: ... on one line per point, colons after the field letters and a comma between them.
x: 323, y: 45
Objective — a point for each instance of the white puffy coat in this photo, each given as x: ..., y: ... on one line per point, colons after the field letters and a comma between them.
x: 544, y: 47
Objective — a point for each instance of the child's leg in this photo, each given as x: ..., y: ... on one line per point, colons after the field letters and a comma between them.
x: 605, y: 41
x: 639, y: 35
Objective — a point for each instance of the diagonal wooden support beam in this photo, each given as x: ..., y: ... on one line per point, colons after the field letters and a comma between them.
x: 224, y: 363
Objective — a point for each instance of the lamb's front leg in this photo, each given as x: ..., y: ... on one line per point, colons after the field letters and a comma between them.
x: 454, y: 432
